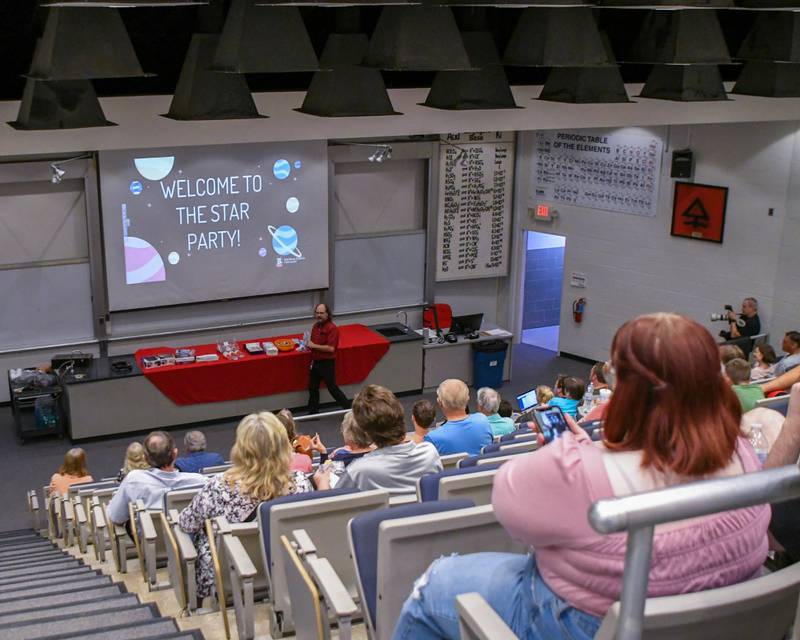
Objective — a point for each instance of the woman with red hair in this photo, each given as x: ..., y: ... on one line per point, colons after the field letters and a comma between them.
x: 673, y: 419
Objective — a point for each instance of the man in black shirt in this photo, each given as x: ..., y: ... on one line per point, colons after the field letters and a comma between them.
x: 752, y: 323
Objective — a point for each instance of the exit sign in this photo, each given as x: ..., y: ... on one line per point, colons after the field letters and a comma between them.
x: 542, y: 212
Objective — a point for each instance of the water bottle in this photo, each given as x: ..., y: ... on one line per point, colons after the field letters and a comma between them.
x: 759, y: 441
x: 588, y: 399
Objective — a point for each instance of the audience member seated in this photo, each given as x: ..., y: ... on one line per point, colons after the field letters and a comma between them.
x: 781, y: 383
x: 260, y: 471
x: 765, y: 359
x: 728, y: 352
x: 505, y: 410
x: 488, y: 404
x: 135, y: 458
x: 568, y: 395
x: 544, y: 394
x: 72, y: 471
x: 197, y: 457
x: 302, y: 446
x: 738, y: 372
x: 785, y: 524
x: 462, y: 432
x: 396, y: 464
x: 597, y: 377
x: 673, y: 418
x: 356, y: 442
x: 423, y: 417
x: 791, y: 345
x: 150, y: 485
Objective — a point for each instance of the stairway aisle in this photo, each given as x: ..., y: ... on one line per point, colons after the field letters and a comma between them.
x: 46, y: 593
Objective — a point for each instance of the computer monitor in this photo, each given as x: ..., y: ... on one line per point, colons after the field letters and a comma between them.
x: 467, y: 324
x: 527, y: 400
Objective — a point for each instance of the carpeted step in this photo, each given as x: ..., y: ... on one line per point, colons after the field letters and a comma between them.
x: 70, y: 626
x: 150, y: 630
x: 52, y: 574
x: 37, y: 556
x: 120, y: 601
x: 38, y: 551
x: 43, y: 580
x: 38, y: 543
x: 19, y: 540
x: 19, y: 533
x: 32, y: 562
x: 77, y: 585
x: 67, y: 563
x: 62, y: 599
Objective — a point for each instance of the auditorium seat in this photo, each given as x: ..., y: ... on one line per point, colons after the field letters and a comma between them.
x: 210, y: 471
x: 109, y: 535
x: 499, y: 446
x: 471, y: 483
x: 81, y: 505
x: 765, y: 607
x: 499, y: 456
x: 391, y: 548
x: 514, y: 435
x: 777, y: 403
x: 450, y: 461
x: 316, y: 592
x: 324, y: 515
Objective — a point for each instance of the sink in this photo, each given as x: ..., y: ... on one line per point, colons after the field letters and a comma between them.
x: 390, y: 332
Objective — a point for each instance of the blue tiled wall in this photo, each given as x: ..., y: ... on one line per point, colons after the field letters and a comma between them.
x: 544, y: 271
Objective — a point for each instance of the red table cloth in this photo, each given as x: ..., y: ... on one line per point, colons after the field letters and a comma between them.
x: 360, y: 349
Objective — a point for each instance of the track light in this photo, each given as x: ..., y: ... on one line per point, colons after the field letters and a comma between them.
x: 58, y: 173
x: 381, y: 153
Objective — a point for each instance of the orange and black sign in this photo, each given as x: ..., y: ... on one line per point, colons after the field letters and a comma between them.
x: 698, y: 211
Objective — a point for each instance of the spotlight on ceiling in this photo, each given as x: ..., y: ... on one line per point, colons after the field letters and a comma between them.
x: 58, y: 173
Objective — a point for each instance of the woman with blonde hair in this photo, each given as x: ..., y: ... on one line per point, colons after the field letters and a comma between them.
x: 135, y: 458
x: 72, y: 471
x: 260, y: 471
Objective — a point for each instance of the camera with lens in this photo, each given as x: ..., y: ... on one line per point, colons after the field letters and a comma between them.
x: 723, y: 317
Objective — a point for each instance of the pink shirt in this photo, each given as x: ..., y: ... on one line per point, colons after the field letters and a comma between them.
x: 543, y: 498
x: 301, y: 462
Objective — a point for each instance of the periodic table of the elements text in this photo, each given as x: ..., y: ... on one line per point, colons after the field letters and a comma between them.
x: 475, y: 192
x: 611, y: 170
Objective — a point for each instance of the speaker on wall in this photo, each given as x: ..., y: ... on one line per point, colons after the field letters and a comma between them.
x: 682, y: 163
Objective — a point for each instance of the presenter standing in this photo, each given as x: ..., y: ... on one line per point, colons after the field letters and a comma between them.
x: 324, y: 344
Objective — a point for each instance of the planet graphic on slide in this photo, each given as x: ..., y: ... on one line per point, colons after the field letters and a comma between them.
x: 142, y: 262
x: 281, y: 169
x: 292, y: 205
x: 136, y: 187
x: 154, y: 168
x: 284, y: 241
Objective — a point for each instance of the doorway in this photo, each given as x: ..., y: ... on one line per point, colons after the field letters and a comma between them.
x: 544, y: 275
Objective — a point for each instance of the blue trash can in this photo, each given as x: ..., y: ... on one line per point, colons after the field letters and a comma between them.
x: 488, y: 364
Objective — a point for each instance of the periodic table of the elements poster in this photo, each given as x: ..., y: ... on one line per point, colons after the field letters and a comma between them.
x: 611, y: 170
x: 475, y: 196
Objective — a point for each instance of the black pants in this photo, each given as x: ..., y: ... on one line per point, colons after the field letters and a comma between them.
x: 324, y: 370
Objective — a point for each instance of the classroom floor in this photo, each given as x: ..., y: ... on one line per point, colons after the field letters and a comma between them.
x: 543, y: 337
x: 30, y: 466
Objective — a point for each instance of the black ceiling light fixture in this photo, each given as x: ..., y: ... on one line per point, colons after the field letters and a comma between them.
x: 557, y: 37
x: 59, y: 104
x: 485, y: 87
x: 84, y: 43
x: 417, y: 38
x: 342, y: 87
x: 264, y: 39
x: 202, y: 94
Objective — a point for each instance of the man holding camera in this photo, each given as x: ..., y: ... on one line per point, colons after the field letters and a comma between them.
x: 752, y: 323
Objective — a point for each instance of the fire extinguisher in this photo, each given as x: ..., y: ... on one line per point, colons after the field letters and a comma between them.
x: 578, y: 307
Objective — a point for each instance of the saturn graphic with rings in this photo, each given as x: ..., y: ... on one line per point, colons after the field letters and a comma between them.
x: 284, y: 240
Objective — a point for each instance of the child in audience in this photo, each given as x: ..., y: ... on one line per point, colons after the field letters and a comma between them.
x: 301, y: 445
x: 505, y: 410
x: 71, y: 472
x: 423, y: 416
x: 765, y: 362
x: 135, y: 458
x: 572, y: 390
x: 728, y: 352
x: 544, y: 394
x: 356, y: 442
x: 738, y: 371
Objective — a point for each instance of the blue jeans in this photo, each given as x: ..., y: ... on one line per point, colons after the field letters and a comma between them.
x: 509, y: 582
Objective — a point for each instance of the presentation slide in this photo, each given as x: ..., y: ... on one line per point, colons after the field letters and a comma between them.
x: 211, y: 223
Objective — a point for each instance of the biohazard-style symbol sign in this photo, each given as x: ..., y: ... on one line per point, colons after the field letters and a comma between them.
x: 696, y: 216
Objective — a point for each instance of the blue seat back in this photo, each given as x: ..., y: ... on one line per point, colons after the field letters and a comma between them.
x: 265, y: 507
x: 512, y: 436
x: 429, y: 483
x: 778, y: 403
x: 472, y: 461
x: 364, y: 540
x: 497, y: 446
